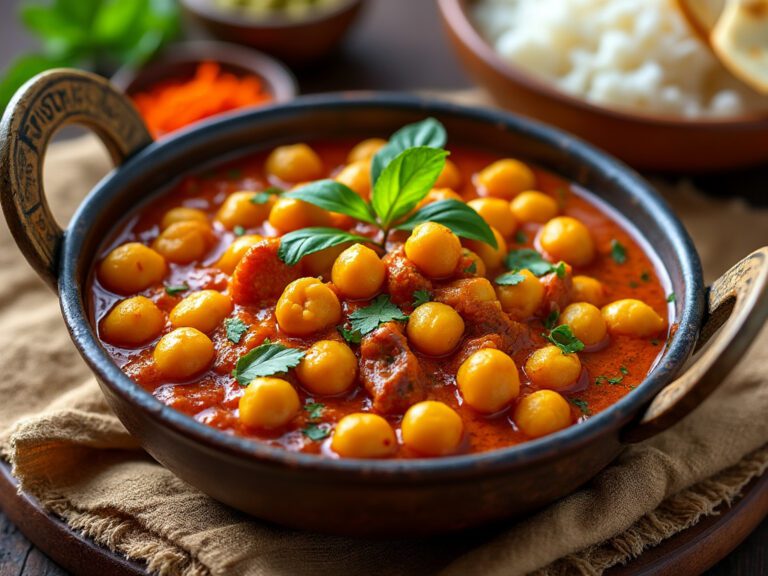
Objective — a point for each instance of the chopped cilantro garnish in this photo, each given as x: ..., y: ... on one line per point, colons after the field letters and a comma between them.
x: 582, y: 405
x: 551, y: 320
x: 645, y: 276
x: 314, y: 410
x: 351, y: 336
x: 366, y: 320
x: 421, y: 297
x: 316, y: 432
x: 562, y: 337
x: 618, y: 252
x: 528, y: 259
x: 624, y: 370
x: 509, y: 279
x: 176, y: 289
x: 238, y: 230
x: 559, y: 269
x: 671, y: 297
x: 236, y: 328
x: 266, y: 360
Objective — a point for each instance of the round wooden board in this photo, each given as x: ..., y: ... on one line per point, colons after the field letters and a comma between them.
x: 690, y: 552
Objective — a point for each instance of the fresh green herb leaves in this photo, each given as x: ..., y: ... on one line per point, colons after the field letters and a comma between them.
x: 428, y: 132
x: 624, y: 370
x: 259, y: 198
x: 582, y: 405
x: 615, y: 379
x: 618, y: 252
x: 366, y: 320
x: 295, y: 245
x: 314, y: 410
x: 509, y: 279
x: 236, y: 329
x: 472, y: 268
x: 551, y: 320
x: 314, y: 430
x: 562, y: 337
x: 405, y: 181
x: 671, y: 297
x: 336, y: 197
x: 528, y: 259
x: 421, y: 297
x: 457, y: 216
x: 176, y: 289
x: 266, y: 360
x: 90, y: 32
x: 238, y: 230
x: 351, y: 336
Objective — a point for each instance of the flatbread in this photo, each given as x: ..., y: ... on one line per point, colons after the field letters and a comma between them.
x: 740, y: 40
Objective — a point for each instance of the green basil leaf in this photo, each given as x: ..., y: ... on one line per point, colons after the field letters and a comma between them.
x: 266, y: 360
x: 428, y: 132
x: 366, y: 320
x: 295, y: 245
x: 405, y: 181
x: 336, y: 197
x: 457, y: 216
x: 528, y: 259
x: 509, y: 279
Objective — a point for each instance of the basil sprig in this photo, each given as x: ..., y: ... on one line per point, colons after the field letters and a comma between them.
x: 403, y: 172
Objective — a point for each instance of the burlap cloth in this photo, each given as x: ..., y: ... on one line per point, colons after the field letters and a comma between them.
x: 69, y: 451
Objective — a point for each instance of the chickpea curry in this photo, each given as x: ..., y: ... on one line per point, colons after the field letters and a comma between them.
x: 380, y: 299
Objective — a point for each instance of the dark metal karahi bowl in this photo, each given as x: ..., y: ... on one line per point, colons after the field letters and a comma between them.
x: 346, y: 495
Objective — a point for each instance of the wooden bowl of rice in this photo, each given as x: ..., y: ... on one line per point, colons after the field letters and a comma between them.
x: 648, y: 141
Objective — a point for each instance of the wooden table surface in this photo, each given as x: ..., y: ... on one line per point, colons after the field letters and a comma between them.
x: 397, y: 45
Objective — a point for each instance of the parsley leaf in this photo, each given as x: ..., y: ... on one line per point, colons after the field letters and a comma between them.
x: 236, y: 329
x: 351, y: 336
x: 528, y: 259
x: 623, y: 370
x: 582, y: 405
x: 316, y: 432
x: 297, y: 244
x: 562, y: 337
x: 366, y: 320
x: 671, y: 297
x: 266, y: 360
x: 422, y: 297
x: 559, y: 269
x: 618, y: 252
x: 314, y: 410
x: 176, y: 289
x: 509, y: 279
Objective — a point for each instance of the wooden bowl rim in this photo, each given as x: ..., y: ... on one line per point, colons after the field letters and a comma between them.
x: 206, y: 10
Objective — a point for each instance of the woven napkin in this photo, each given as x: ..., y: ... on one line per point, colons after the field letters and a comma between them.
x: 69, y: 451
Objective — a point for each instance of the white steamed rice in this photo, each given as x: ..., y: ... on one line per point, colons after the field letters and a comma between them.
x: 639, y: 55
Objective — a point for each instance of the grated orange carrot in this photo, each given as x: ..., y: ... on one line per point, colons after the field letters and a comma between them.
x: 172, y: 105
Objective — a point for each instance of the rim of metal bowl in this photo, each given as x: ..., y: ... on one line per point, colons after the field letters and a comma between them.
x: 450, y: 467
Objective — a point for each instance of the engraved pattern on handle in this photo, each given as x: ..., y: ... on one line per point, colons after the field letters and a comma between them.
x: 47, y: 102
x: 737, y: 304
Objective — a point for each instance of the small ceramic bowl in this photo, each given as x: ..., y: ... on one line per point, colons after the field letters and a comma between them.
x: 179, y: 62
x: 297, y: 41
x: 645, y: 141
x: 353, y: 496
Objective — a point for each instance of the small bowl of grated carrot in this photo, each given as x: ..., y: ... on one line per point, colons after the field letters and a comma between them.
x: 193, y: 81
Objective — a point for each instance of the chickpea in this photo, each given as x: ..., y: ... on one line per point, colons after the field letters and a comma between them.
x: 434, y: 249
x: 366, y: 149
x: 239, y: 209
x: 565, y: 238
x: 295, y: 163
x: 632, y: 318
x: 542, y: 413
x: 533, y: 206
x: 306, y: 306
x: 432, y: 428
x: 183, y: 214
x: 492, y: 257
x: 522, y: 300
x: 130, y: 268
x: 358, y: 272
x: 289, y: 214
x: 435, y: 328
x: 479, y: 265
x: 364, y: 435
x: 586, y: 289
x: 549, y: 368
x: 450, y: 177
x: 183, y: 353
x: 184, y: 242
x: 437, y: 194
x: 203, y: 310
x: 132, y: 322
x: 228, y: 261
x: 328, y: 368
x: 586, y: 322
x: 505, y: 179
x: 475, y: 289
x: 488, y: 380
x: 321, y: 262
x: 357, y: 176
x: 268, y: 403
x: 496, y: 213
